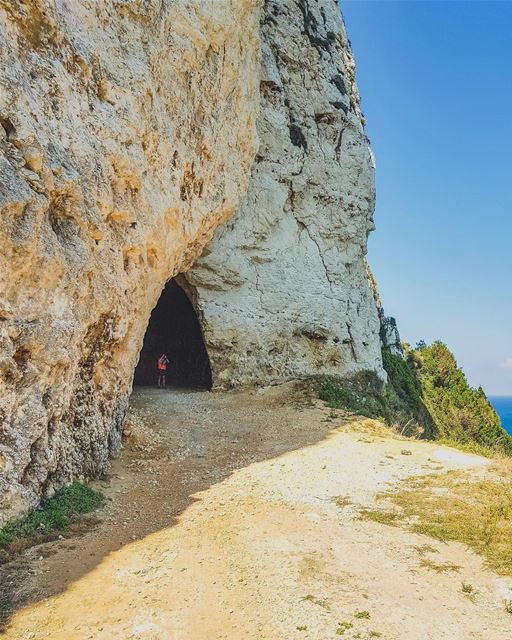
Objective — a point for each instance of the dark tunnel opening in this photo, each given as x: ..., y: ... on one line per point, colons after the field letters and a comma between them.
x: 174, y: 329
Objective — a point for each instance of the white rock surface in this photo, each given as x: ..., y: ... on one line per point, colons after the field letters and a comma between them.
x: 282, y: 289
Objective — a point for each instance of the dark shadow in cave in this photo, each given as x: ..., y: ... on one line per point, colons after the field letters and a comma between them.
x: 174, y: 329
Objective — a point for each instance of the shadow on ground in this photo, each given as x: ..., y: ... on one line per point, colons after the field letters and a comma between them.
x: 181, y: 443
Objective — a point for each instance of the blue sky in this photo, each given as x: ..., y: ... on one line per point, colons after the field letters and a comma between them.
x: 436, y: 84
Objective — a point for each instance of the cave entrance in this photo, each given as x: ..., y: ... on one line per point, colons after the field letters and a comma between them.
x: 174, y: 329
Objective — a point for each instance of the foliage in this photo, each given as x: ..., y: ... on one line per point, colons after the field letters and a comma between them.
x: 459, y: 412
x: 467, y: 588
x: 362, y: 615
x: 54, y: 515
x: 362, y: 394
x: 397, y: 403
x: 406, y: 385
x: 426, y: 393
x: 342, y: 627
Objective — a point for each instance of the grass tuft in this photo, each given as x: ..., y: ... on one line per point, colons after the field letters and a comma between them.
x: 469, y: 447
x: 382, y: 516
x: 362, y: 615
x: 467, y: 588
x: 456, y: 507
x: 52, y: 518
x: 342, y: 627
x: 341, y: 501
x: 425, y: 548
x: 439, y: 567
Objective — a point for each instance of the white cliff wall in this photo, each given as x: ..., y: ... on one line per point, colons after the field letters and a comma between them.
x: 282, y: 289
x: 127, y: 136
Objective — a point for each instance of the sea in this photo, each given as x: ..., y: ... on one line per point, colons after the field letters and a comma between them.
x: 503, y: 407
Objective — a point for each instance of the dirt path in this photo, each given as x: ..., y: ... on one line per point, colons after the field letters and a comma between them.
x: 222, y: 523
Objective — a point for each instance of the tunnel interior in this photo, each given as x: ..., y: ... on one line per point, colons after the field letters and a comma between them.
x: 174, y: 329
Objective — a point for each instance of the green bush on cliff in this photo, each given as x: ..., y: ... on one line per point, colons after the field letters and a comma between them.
x: 459, y: 412
x: 426, y: 393
x: 406, y: 385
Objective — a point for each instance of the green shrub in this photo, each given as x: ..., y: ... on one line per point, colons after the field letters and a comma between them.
x: 405, y: 384
x: 54, y: 515
x: 367, y: 395
x: 362, y: 394
x: 426, y: 393
x: 460, y: 413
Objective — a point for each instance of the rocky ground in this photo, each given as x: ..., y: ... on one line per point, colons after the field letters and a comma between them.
x: 237, y: 516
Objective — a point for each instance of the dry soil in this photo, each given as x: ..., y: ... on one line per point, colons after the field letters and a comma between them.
x: 235, y: 516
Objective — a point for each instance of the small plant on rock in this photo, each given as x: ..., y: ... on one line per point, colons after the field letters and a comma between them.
x: 362, y: 615
x: 467, y: 588
x: 342, y: 627
x: 54, y: 517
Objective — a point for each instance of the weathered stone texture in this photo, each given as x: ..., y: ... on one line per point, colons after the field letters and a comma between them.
x: 127, y: 135
x: 282, y: 289
x: 390, y: 336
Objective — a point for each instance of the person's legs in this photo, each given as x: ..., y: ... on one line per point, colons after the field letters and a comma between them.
x: 163, y: 380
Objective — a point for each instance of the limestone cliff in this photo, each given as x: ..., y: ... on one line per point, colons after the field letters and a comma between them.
x: 389, y: 334
x: 129, y: 132
x: 127, y: 135
x: 282, y: 289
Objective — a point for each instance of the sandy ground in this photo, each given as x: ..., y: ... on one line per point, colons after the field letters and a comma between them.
x: 222, y: 523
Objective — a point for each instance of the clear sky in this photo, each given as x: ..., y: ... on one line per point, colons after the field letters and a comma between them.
x: 436, y: 84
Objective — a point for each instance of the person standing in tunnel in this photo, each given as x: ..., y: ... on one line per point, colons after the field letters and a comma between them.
x: 161, y: 366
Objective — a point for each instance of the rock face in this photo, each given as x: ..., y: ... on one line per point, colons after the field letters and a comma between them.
x: 390, y: 337
x: 128, y: 135
x: 389, y: 334
x: 282, y: 289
